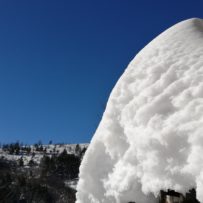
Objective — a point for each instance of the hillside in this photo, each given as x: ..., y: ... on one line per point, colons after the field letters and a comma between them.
x: 39, y: 173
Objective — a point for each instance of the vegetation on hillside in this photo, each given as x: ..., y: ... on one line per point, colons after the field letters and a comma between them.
x: 39, y: 183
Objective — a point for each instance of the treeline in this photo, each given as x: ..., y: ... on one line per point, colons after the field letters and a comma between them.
x: 18, y: 148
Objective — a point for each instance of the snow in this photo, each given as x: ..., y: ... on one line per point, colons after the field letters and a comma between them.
x: 38, y: 155
x: 151, y: 135
x: 72, y: 183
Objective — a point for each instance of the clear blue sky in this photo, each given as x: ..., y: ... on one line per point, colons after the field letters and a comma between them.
x: 59, y: 60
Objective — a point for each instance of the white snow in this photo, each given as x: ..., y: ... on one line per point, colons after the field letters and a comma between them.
x: 72, y: 183
x: 151, y: 134
x: 38, y: 155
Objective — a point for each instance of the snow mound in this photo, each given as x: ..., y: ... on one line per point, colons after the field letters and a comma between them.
x: 151, y: 134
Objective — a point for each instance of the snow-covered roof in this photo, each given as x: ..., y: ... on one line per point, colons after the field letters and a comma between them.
x: 151, y: 134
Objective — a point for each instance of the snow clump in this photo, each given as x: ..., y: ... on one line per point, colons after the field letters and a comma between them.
x: 151, y: 135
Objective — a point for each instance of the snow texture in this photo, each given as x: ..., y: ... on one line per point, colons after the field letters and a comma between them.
x: 50, y: 150
x: 151, y: 134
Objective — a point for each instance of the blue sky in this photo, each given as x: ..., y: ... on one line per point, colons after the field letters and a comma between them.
x: 59, y: 60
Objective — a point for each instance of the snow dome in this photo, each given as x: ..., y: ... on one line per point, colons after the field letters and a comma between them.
x: 150, y: 137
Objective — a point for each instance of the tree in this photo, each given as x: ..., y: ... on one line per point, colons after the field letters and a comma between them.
x: 77, y: 149
x: 31, y: 163
x: 41, y: 148
x: 39, y: 142
x: 28, y: 150
x: 21, y: 162
x: 83, y: 152
x: 36, y: 146
x: 17, y: 148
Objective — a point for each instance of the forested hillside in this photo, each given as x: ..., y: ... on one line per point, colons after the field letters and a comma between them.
x: 39, y: 173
